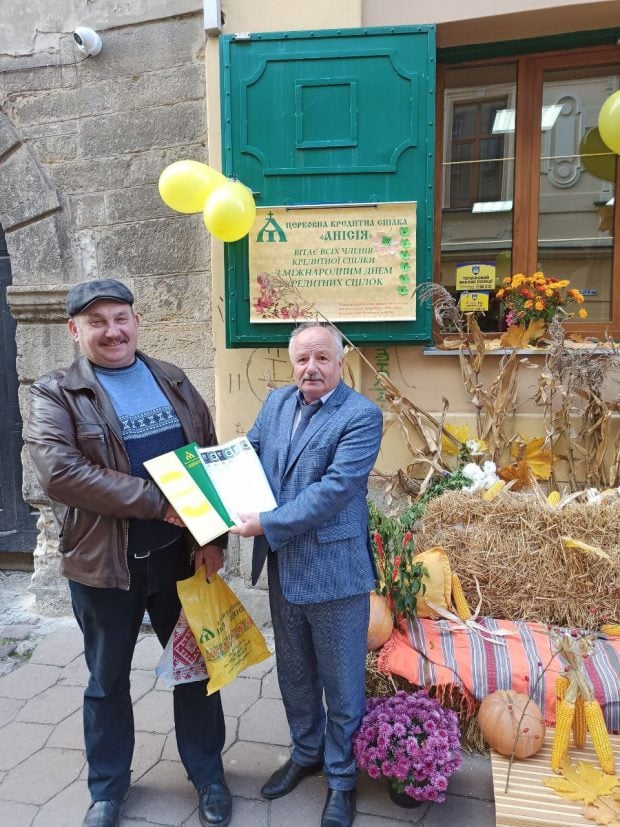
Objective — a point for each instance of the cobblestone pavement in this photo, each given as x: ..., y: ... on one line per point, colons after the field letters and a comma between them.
x: 42, y: 768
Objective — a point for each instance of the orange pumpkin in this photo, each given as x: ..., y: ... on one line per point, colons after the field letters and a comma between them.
x: 381, y: 622
x: 500, y: 718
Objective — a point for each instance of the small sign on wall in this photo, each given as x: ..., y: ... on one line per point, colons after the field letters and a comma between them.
x: 474, y: 302
x: 351, y: 263
x: 480, y: 276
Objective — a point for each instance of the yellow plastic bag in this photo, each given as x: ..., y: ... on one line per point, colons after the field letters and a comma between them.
x: 227, y: 636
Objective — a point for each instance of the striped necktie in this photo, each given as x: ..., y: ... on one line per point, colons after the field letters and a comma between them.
x: 306, y: 414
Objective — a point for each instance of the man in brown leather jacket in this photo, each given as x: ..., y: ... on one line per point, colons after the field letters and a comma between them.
x: 91, y: 427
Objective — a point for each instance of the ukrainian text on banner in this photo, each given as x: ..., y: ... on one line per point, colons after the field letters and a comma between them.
x: 350, y: 263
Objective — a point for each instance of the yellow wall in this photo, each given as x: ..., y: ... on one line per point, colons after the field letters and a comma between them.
x: 242, y: 375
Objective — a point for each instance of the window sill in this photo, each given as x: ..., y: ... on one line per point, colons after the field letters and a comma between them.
x: 500, y: 351
x: 431, y: 350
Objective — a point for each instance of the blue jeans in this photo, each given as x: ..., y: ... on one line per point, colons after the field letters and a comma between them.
x: 110, y: 621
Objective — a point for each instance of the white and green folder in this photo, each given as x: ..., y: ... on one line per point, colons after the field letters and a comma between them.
x: 207, y: 487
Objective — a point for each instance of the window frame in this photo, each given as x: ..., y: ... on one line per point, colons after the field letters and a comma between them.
x: 531, y: 67
x: 464, y: 98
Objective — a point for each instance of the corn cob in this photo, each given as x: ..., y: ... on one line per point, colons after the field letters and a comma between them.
x: 612, y: 629
x: 459, y: 600
x: 561, y: 685
x: 579, y: 724
x: 493, y: 491
x: 600, y: 737
x: 564, y: 714
x: 579, y: 721
x: 554, y: 498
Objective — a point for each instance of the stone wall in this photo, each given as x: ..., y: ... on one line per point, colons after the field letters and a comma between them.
x: 82, y: 145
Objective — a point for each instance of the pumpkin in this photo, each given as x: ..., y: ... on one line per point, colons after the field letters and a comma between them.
x: 499, y: 717
x: 381, y: 623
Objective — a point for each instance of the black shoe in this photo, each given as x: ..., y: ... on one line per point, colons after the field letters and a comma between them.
x: 215, y: 805
x: 103, y: 814
x: 287, y: 778
x: 339, y: 809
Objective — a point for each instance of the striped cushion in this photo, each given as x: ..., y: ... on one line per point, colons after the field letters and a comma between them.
x: 436, y: 653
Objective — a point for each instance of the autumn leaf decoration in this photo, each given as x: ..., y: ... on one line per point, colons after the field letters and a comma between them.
x: 519, y: 336
x: 461, y: 432
x: 605, y: 810
x: 581, y: 782
x: 533, y: 460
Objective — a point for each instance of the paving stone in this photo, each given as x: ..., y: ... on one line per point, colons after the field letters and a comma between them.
x: 75, y: 673
x: 458, y: 810
x: 9, y: 707
x: 170, y: 751
x: 153, y: 713
x: 42, y: 776
x: 147, y: 752
x: 146, y: 654
x: 53, y: 705
x: 266, y: 722
x: 17, y: 631
x: 303, y: 806
x: 380, y: 821
x: 232, y: 731
x: 142, y: 681
x: 270, y: 687
x: 244, y: 814
x: 59, y: 648
x: 373, y: 799
x: 13, y: 814
x: 259, y: 670
x: 21, y: 740
x: 239, y: 695
x: 162, y: 796
x: 248, y: 765
x: 28, y: 681
x: 474, y: 779
x: 69, y: 734
x: 68, y: 807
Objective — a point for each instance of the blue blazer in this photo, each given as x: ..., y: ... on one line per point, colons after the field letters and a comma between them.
x: 319, y: 530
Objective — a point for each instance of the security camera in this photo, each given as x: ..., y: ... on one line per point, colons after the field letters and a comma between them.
x: 87, y: 41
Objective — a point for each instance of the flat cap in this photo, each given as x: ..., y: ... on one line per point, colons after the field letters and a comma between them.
x: 82, y: 295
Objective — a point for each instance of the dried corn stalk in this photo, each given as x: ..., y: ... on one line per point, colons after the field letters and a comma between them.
x: 576, y: 417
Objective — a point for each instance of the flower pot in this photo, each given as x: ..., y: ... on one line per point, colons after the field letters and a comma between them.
x: 402, y: 799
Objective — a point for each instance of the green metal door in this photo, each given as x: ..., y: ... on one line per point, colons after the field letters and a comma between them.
x: 330, y: 117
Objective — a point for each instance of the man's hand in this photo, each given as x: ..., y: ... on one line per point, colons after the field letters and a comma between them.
x: 250, y: 526
x: 171, y: 516
x: 211, y: 556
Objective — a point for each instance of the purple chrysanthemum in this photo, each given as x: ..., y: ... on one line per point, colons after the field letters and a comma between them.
x: 411, y: 740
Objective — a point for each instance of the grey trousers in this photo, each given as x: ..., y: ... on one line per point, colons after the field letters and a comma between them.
x: 321, y: 651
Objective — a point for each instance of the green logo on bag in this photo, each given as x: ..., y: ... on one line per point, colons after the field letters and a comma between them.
x: 206, y: 634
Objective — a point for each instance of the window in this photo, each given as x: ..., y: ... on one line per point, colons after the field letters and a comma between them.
x: 526, y: 184
x: 476, y: 153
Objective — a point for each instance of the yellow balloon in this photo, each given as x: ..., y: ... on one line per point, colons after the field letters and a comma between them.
x: 229, y: 211
x: 591, y: 148
x: 185, y: 185
x: 609, y: 122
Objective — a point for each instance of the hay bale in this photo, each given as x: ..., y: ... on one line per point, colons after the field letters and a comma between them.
x: 513, y: 546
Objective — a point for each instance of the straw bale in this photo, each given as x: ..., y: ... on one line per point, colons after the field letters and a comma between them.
x: 512, y: 546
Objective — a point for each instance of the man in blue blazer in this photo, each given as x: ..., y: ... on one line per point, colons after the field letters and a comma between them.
x: 317, y: 441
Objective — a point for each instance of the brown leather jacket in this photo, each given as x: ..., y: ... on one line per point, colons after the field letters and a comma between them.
x: 79, y: 457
